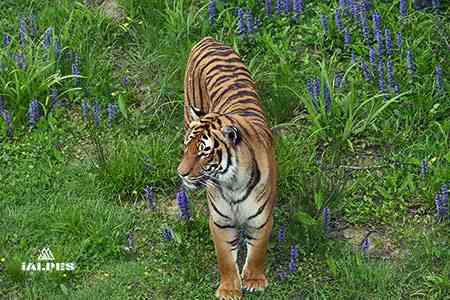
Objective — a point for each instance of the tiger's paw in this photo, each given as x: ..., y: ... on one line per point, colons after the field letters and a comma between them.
x: 255, y: 282
x: 228, y: 294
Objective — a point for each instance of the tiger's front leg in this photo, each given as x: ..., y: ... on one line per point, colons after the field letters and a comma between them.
x: 253, y: 272
x: 226, y: 242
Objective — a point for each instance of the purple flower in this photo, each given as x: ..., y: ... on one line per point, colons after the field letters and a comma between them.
x: 347, y: 38
x: 33, y: 26
x: 269, y: 8
x: 241, y: 21
x: 96, y: 111
x: 439, y: 80
x: 2, y: 104
x: 48, y: 36
x: 376, y: 18
x: 54, y: 100
x: 396, y: 87
x: 312, y: 93
x: 147, y: 164
x: 282, y: 275
x: 366, y: 5
x: 250, y: 23
x: 282, y: 234
x: 298, y: 8
x: 410, y: 62
x: 33, y: 113
x: 365, y: 70
x: 125, y: 80
x: 342, y: 3
x: 436, y: 4
x: 183, y: 204
x: 365, y: 247
x: 353, y: 57
x: 167, y: 234
x: 327, y: 98
x: 372, y: 56
x: 150, y: 197
x: 112, y: 113
x: 278, y: 7
x: 85, y: 110
x: 444, y: 193
x: 355, y: 9
x: 326, y: 220
x: 22, y: 31
x: 423, y: 168
x: 212, y: 12
x: 399, y: 40
x: 76, y: 74
x: 441, y: 206
x: 6, y: 40
x: 324, y: 23
x: 381, y: 75
x: 20, y: 61
x: 338, y: 19
x: 287, y: 6
x: 293, y: 264
x: 317, y: 87
x: 8, y: 121
x: 403, y: 8
x: 365, y: 27
x: 388, y: 39
x: 390, y: 72
x: 338, y: 79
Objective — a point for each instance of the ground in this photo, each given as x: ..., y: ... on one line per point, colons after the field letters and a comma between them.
x: 78, y: 188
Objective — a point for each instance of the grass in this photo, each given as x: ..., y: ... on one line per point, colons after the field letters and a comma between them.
x: 78, y: 188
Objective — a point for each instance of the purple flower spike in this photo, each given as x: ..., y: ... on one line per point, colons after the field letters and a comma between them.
x: 33, y: 26
x: 390, y: 72
x: 212, y: 12
x: 293, y: 264
x: 241, y: 21
x: 54, y: 100
x: 150, y: 197
x: 278, y: 7
x: 347, y: 38
x: 399, y: 40
x: 372, y: 56
x: 76, y: 73
x: 2, y: 104
x: 423, y: 168
x: 410, y: 62
x: 403, y: 8
x: 85, y: 110
x: 338, y: 19
x: 436, y: 4
x: 22, y: 31
x: 298, y: 8
x: 376, y: 18
x: 20, y: 61
x: 250, y: 23
x: 324, y: 23
x: 125, y: 80
x: 327, y: 98
x: 287, y: 7
x: 269, y: 8
x: 338, y: 79
x: 96, y: 111
x: 326, y: 220
x: 439, y: 80
x: 365, y: 69
x: 282, y: 235
x: 365, y: 27
x: 388, y: 39
x: 167, y: 234
x: 8, y: 121
x: 365, y: 245
x: 48, y: 37
x: 33, y: 113
x: 183, y: 204
x: 112, y: 113
x: 312, y: 93
x: 381, y: 75
x: 6, y: 40
x: 353, y: 57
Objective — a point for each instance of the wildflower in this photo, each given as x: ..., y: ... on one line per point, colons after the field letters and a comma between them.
x: 183, y: 204
x: 444, y: 193
x: 327, y: 98
x: 390, y: 72
x: 20, y: 61
x: 112, y: 113
x: 150, y: 197
x: 355, y: 9
x: 54, y: 99
x: 353, y: 57
x: 48, y: 36
x: 376, y: 18
x: 317, y: 87
x: 6, y: 40
x: 96, y: 111
x: 167, y: 234
x: 439, y: 80
x: 388, y: 39
x: 278, y: 7
x: 269, y: 8
x: 365, y: 27
x: 365, y: 70
x: 423, y: 168
x: 338, y: 79
x: 410, y: 62
x: 365, y: 245
x: 33, y: 26
x: 76, y: 74
x: 298, y: 8
x: 396, y: 87
x: 22, y: 32
x: 381, y: 75
x: 372, y: 56
x: 342, y: 3
x: 312, y: 93
x: 399, y: 40
x: 33, y: 113
x: 282, y: 275
x: 125, y: 80
x: 380, y: 45
x: 8, y: 121
x: 324, y: 23
x: 347, y: 38
x: 287, y: 6
x: 403, y: 8
x: 326, y: 219
x: 58, y: 49
x: 366, y: 5
x: 338, y: 19
x: 282, y: 234
x: 441, y: 206
x: 294, y: 259
x: 250, y: 23
x: 2, y: 104
x: 85, y: 110
x: 147, y: 164
x: 241, y: 22
x: 436, y: 4
x: 212, y: 13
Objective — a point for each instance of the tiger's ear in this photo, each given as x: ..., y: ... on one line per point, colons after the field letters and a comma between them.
x: 232, y: 134
x: 195, y: 113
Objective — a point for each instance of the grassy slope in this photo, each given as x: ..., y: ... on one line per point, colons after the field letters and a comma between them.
x: 56, y: 192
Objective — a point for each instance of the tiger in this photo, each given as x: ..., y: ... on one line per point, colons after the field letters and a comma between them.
x: 229, y: 150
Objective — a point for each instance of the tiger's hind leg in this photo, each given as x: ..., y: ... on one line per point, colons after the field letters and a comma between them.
x: 253, y: 272
x: 226, y: 242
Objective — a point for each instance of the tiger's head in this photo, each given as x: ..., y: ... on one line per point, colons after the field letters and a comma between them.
x: 210, y: 151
